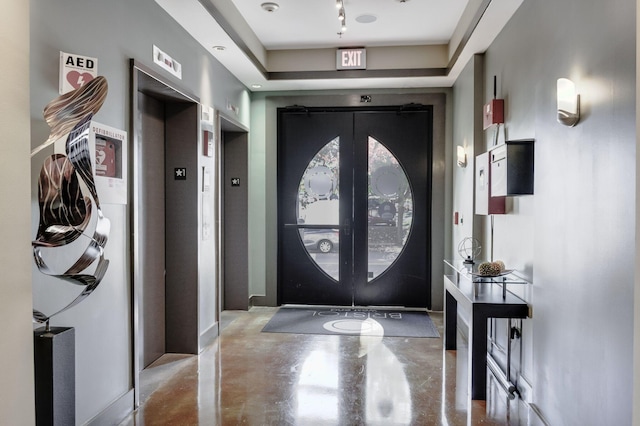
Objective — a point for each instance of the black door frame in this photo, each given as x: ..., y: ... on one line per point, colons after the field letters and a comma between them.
x: 429, y: 176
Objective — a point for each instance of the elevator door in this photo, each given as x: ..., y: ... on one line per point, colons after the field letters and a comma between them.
x: 152, y: 153
x: 235, y: 221
x: 354, y: 206
x: 166, y: 231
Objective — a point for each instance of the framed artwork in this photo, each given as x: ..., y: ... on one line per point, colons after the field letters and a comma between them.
x: 108, y: 148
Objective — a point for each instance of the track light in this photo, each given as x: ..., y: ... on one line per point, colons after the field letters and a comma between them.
x: 342, y: 16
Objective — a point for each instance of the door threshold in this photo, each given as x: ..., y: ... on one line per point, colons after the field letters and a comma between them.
x: 386, y: 308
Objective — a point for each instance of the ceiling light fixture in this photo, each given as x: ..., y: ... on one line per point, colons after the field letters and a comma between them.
x: 270, y: 7
x: 342, y: 16
x: 219, y: 48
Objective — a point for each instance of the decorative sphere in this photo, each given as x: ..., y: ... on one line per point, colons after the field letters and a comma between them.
x: 469, y: 248
x: 489, y: 268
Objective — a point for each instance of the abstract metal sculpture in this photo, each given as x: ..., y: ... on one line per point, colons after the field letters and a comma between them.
x: 64, y: 212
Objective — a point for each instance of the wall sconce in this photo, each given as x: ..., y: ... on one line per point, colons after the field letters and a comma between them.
x: 568, y: 103
x: 462, y: 157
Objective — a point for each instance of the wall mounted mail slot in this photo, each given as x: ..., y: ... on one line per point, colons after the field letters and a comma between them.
x: 512, y: 168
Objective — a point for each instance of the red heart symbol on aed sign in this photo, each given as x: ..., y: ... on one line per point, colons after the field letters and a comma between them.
x: 77, y: 79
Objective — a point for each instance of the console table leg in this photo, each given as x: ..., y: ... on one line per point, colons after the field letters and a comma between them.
x: 478, y: 355
x: 450, y: 322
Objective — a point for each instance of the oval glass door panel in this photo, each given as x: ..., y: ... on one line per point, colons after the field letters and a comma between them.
x: 319, y: 207
x: 390, y: 209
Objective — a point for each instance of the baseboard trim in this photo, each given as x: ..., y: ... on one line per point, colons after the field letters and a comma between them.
x: 209, y: 336
x: 116, y: 412
x: 256, y: 300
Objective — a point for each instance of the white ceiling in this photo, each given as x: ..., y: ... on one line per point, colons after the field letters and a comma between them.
x: 314, y: 23
x: 248, y: 33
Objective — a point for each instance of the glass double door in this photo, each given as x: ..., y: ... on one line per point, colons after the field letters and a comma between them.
x: 354, y: 200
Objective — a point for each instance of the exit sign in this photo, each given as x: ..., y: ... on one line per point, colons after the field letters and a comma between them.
x: 351, y: 59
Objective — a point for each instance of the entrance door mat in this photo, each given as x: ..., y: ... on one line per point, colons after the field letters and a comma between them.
x: 352, y: 321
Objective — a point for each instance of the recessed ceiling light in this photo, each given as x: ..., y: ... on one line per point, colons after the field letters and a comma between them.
x: 219, y: 48
x: 270, y: 7
x: 256, y: 86
x: 366, y: 19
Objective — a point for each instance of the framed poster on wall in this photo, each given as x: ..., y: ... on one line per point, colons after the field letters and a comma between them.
x: 108, y: 149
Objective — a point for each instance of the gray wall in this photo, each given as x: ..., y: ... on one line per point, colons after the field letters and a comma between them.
x: 467, y: 132
x: 575, y: 237
x: 636, y: 347
x: 16, y: 368
x: 114, y: 32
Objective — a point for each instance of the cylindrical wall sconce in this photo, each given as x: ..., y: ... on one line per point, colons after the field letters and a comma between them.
x: 462, y: 156
x: 568, y: 102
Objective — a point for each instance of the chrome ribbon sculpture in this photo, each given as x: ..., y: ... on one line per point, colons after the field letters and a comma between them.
x: 65, y: 213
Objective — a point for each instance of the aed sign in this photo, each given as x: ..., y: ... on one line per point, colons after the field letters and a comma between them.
x: 351, y: 59
x: 76, y: 71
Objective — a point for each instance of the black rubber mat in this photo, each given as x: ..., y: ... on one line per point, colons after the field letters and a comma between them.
x: 352, y: 321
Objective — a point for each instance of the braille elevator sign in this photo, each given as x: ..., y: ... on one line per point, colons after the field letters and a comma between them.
x: 351, y: 59
x: 180, y: 173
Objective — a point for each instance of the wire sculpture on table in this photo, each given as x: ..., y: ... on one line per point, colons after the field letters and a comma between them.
x: 65, y: 212
x: 469, y: 249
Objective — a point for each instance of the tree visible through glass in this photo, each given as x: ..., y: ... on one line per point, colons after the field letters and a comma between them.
x: 389, y: 208
x: 318, y: 204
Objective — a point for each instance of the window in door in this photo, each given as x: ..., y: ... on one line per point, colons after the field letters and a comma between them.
x: 318, y: 207
x: 390, y: 209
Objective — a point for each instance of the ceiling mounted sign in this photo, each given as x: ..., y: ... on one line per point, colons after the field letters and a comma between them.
x: 351, y: 59
x: 167, y: 62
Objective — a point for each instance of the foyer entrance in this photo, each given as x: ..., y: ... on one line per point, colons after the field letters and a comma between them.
x: 354, y: 197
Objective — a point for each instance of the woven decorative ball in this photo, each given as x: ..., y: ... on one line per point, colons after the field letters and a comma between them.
x: 489, y: 268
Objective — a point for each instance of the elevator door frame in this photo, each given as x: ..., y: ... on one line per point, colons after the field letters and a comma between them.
x: 146, y: 81
x: 234, y: 240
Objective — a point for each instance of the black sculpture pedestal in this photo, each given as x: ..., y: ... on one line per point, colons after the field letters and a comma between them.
x: 55, y: 376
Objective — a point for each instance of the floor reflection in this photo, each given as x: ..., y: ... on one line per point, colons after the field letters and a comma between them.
x: 251, y: 378
x: 388, y: 396
x: 318, y: 385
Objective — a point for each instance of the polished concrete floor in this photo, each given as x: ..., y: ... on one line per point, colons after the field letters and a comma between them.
x: 251, y: 378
